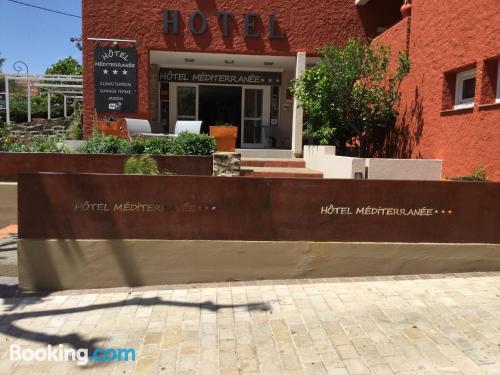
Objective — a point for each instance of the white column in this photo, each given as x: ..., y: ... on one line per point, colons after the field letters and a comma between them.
x: 29, y: 101
x: 298, y: 112
x: 7, y: 100
x: 48, y: 105
x: 65, y: 108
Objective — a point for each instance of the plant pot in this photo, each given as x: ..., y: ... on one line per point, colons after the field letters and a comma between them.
x: 406, y: 9
x: 225, y: 136
x: 116, y: 128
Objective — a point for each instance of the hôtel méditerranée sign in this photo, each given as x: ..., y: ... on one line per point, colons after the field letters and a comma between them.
x: 115, y: 79
x: 231, y: 77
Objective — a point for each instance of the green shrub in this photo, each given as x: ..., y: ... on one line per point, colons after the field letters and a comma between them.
x: 103, y: 144
x: 35, y: 144
x: 193, y: 144
x: 143, y: 164
x: 478, y: 175
x: 184, y: 144
x: 158, y: 145
x: 76, y: 127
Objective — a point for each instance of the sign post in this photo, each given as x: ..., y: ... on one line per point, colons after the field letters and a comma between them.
x: 115, y: 79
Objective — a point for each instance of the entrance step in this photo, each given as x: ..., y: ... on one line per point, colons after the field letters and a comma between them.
x: 264, y: 153
x: 272, y: 162
x: 289, y: 172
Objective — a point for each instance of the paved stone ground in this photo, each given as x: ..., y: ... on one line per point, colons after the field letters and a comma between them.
x: 8, y: 251
x: 441, y: 324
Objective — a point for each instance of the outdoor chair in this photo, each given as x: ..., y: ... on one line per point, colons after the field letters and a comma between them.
x: 139, y: 127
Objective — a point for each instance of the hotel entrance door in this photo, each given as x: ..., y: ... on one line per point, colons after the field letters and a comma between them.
x: 219, y: 105
x: 247, y: 107
x: 256, y: 106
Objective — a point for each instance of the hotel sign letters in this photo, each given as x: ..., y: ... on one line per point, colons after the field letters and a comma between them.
x: 220, y: 77
x: 115, y: 79
x: 198, y: 24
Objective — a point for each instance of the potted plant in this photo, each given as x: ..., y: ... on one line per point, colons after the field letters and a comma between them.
x: 225, y: 135
x: 406, y: 9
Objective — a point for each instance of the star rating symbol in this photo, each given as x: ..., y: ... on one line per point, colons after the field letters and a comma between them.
x: 115, y: 72
x: 105, y: 71
x: 124, y: 72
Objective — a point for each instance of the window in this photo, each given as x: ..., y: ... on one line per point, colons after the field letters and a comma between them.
x: 465, y: 89
x: 186, y: 103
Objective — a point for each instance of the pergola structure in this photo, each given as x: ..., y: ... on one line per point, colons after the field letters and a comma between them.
x: 69, y: 86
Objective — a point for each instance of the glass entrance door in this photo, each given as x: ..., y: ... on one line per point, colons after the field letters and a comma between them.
x: 255, y: 116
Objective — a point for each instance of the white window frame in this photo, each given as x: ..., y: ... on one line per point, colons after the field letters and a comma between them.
x: 498, y: 83
x: 459, y: 86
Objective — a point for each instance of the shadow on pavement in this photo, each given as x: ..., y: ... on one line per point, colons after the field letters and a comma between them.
x: 77, y: 341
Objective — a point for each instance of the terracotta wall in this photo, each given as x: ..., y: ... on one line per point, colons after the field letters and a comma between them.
x: 308, y: 25
x: 446, y: 37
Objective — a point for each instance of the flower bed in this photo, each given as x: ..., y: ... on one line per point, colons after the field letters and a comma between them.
x: 186, y: 154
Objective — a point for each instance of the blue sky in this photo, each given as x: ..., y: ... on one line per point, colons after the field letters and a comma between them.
x: 38, y: 37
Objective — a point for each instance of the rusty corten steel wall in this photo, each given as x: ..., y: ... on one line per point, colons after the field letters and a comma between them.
x: 53, y: 206
x: 13, y: 164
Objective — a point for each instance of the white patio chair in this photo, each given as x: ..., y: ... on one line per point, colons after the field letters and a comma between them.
x: 139, y: 127
x: 187, y: 126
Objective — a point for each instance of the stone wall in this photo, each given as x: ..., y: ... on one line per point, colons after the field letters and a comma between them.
x: 42, y: 127
x: 227, y: 164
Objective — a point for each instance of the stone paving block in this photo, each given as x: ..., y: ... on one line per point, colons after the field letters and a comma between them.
x: 444, y: 324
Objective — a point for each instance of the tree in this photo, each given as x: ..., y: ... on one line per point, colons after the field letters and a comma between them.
x: 67, y: 66
x: 349, y: 92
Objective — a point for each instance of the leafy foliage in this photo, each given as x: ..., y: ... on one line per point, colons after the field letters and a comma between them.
x: 143, y: 164
x: 184, y: 144
x: 19, y: 102
x: 349, y: 92
x: 76, y: 127
x: 67, y: 66
x: 478, y: 174
x: 102, y: 144
x: 193, y: 144
x: 2, y: 61
x: 32, y: 144
x: 19, y: 107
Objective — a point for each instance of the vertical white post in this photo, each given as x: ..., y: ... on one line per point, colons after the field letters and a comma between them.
x: 48, y: 105
x: 29, y: 101
x: 7, y: 100
x: 298, y: 112
x: 65, y: 108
